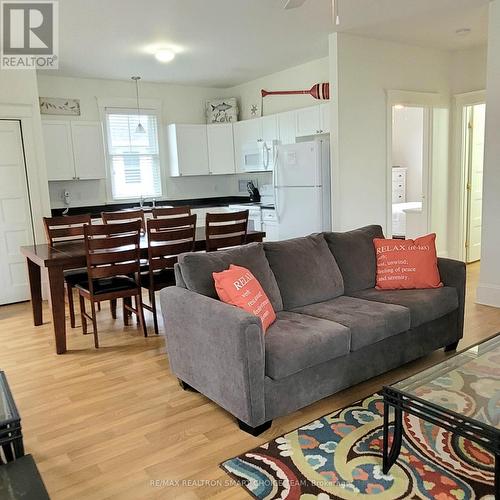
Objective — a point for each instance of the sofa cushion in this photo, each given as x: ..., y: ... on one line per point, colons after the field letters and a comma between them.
x: 355, y: 255
x: 369, y: 322
x: 196, y: 269
x: 305, y: 270
x: 424, y: 305
x: 295, y: 342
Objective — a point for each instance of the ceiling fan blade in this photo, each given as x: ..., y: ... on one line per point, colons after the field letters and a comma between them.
x: 293, y: 4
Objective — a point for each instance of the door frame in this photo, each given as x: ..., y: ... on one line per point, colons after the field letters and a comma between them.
x: 428, y: 101
x: 460, y: 159
x: 31, y: 136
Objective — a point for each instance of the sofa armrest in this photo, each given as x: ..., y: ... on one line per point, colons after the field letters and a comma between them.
x: 218, y: 349
x: 453, y: 273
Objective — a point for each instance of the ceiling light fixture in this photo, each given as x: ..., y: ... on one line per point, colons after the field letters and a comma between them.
x: 139, y: 129
x: 165, y: 55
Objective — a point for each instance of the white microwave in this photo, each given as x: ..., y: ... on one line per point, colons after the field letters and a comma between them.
x: 258, y: 156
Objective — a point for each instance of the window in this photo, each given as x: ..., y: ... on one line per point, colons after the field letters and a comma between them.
x: 134, y: 159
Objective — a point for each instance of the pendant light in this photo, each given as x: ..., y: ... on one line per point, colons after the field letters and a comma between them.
x: 139, y: 129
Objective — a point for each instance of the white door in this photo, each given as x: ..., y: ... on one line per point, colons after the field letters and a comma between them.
x: 287, y: 127
x: 15, y: 216
x: 475, y: 182
x: 192, y: 149
x: 88, y: 150
x: 298, y: 165
x: 58, y: 150
x: 308, y: 121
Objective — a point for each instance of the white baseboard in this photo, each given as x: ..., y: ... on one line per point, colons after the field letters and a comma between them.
x: 488, y: 294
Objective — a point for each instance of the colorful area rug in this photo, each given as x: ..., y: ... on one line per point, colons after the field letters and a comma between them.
x: 339, y: 456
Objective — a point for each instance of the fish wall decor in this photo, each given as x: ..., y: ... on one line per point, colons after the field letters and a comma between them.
x: 222, y: 110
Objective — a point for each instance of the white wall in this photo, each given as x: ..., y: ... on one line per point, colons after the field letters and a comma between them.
x: 408, y: 148
x: 180, y: 104
x: 364, y: 69
x: 468, y: 70
x: 300, y: 77
x: 488, y: 291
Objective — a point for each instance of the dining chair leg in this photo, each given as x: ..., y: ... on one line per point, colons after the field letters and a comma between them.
x: 140, y: 314
x: 138, y: 319
x: 98, y: 306
x: 71, y: 305
x: 153, y: 306
x: 82, y: 314
x: 112, y: 305
x: 127, y: 302
x: 94, y: 324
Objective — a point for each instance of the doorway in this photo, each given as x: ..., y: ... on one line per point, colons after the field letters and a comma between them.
x: 474, y: 129
x: 16, y: 223
x: 409, y: 166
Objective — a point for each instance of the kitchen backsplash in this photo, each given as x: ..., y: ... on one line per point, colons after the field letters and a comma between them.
x: 93, y: 192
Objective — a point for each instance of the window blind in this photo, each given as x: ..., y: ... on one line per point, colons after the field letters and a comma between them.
x: 134, y: 158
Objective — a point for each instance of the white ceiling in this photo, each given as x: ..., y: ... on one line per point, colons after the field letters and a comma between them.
x: 223, y: 43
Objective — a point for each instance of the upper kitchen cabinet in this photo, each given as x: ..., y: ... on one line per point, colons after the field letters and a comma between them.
x: 188, y: 150
x: 287, y: 126
x: 58, y: 150
x: 88, y: 150
x: 220, y: 149
x: 325, y: 118
x: 270, y: 129
x: 313, y: 120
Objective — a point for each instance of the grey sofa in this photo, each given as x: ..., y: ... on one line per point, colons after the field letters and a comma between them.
x: 333, y: 328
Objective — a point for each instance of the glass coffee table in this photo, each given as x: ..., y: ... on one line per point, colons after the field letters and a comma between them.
x: 460, y: 394
x: 11, y: 439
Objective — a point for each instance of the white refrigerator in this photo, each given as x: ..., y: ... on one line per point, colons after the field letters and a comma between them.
x: 302, y: 189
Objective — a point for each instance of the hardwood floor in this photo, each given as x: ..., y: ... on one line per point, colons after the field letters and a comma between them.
x: 107, y: 423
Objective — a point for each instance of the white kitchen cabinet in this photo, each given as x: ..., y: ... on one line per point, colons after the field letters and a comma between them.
x: 188, y: 150
x: 325, y: 118
x: 88, y: 150
x: 246, y: 132
x: 220, y: 149
x: 314, y: 120
x: 58, y: 150
x: 308, y: 121
x: 287, y: 127
x: 270, y: 129
x: 73, y: 150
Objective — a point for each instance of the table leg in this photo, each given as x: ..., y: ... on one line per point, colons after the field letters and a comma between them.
x: 56, y: 283
x: 36, y: 291
x: 389, y: 458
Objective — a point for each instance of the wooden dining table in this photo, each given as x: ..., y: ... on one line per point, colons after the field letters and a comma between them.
x: 71, y: 255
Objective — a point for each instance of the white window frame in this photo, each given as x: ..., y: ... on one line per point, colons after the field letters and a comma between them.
x: 149, y: 106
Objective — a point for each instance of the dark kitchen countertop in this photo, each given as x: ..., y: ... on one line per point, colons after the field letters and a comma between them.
x: 95, y: 211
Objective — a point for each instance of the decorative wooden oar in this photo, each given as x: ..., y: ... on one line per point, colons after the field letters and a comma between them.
x: 319, y: 91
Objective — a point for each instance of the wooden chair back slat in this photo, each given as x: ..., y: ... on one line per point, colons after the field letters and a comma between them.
x: 123, y: 217
x: 226, y: 230
x: 167, y: 238
x: 117, y: 241
x: 112, y: 250
x: 113, y: 270
x: 171, y: 212
x: 65, y: 228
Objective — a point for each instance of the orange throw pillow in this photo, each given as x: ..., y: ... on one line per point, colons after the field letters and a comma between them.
x: 239, y: 287
x: 407, y: 264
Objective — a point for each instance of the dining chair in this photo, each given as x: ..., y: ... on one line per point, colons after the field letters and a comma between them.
x: 171, y: 212
x: 167, y: 238
x: 113, y: 266
x: 63, y: 229
x: 226, y: 230
x: 124, y: 216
